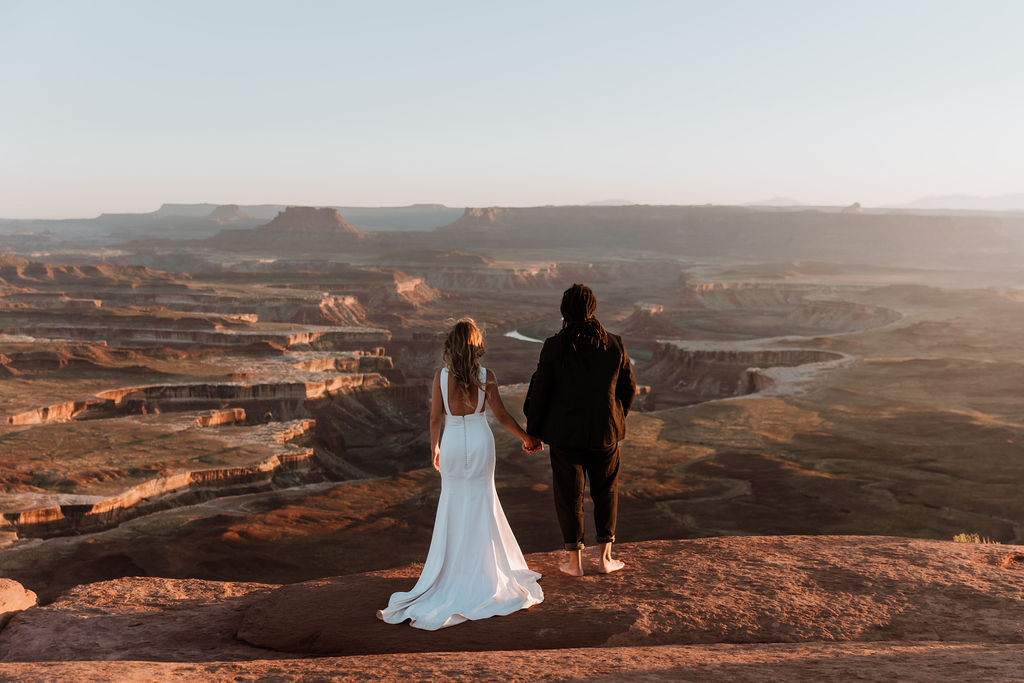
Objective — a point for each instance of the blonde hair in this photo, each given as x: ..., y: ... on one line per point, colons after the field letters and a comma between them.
x: 463, y: 349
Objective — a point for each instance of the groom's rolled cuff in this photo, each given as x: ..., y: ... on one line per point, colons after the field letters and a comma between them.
x: 578, y: 545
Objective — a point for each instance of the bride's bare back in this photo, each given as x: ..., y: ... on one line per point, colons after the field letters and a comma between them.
x: 459, y: 402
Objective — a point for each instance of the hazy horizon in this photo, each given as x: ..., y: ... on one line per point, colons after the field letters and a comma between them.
x: 122, y: 107
x: 930, y: 203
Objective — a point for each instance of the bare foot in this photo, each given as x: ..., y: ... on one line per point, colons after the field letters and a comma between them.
x: 606, y: 565
x: 573, y: 566
x: 570, y: 568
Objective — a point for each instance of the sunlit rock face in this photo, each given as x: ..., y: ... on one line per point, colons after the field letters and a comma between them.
x: 13, y: 599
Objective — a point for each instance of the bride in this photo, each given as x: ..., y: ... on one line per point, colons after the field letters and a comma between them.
x: 474, y: 568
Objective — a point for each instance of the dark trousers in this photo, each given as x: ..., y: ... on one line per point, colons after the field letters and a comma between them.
x: 601, y: 466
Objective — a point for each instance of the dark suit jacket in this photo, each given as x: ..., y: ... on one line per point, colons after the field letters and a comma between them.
x: 579, y: 399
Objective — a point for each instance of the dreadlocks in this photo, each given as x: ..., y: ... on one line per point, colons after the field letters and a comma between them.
x: 578, y: 322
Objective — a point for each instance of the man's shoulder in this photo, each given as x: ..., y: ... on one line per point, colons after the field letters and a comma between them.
x: 551, y: 343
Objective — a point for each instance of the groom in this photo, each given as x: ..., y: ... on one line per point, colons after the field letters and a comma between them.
x: 577, y: 402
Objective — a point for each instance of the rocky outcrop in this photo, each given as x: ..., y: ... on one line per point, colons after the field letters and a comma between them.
x: 400, y: 292
x: 716, y: 590
x: 832, y: 317
x: 177, y: 617
x: 721, y: 609
x: 19, y: 272
x: 162, y: 397
x: 353, y: 362
x: 808, y: 309
x: 466, y: 275
x: 647, y: 322
x: 49, y: 300
x: 58, y: 412
x: 725, y: 296
x: 469, y: 274
x: 13, y: 599
x: 12, y: 261
x: 262, y: 304
x: 338, y: 338
x: 201, y: 396
x: 162, y: 492
x: 688, y: 372
x: 372, y: 288
x: 689, y: 359
x: 32, y: 356
x: 494, y: 277
x: 215, y: 418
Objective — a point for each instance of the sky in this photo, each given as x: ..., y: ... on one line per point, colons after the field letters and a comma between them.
x: 121, y: 106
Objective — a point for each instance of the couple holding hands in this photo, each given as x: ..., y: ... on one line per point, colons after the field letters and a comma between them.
x: 577, y: 404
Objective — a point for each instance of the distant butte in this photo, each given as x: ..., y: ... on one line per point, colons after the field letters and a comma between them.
x: 307, y: 219
x: 304, y: 229
x: 227, y: 213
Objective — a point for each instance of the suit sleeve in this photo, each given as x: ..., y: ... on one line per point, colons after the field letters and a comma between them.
x: 538, y: 395
x: 625, y: 388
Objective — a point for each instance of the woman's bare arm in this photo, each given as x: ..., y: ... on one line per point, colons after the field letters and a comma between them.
x: 436, y: 421
x: 501, y: 415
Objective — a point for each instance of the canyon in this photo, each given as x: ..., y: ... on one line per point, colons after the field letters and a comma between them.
x: 231, y: 419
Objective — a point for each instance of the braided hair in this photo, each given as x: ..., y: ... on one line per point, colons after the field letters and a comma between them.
x: 579, y: 325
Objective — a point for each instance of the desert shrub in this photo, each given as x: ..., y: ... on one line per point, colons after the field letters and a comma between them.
x: 973, y: 538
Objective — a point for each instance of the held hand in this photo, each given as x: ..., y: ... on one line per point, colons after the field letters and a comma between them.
x: 532, y: 444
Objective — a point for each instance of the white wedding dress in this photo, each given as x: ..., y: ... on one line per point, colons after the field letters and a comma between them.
x: 474, y: 568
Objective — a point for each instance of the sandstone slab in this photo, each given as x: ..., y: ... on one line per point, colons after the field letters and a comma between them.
x: 925, y: 662
x: 716, y: 590
x: 169, y: 620
x: 719, y: 609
